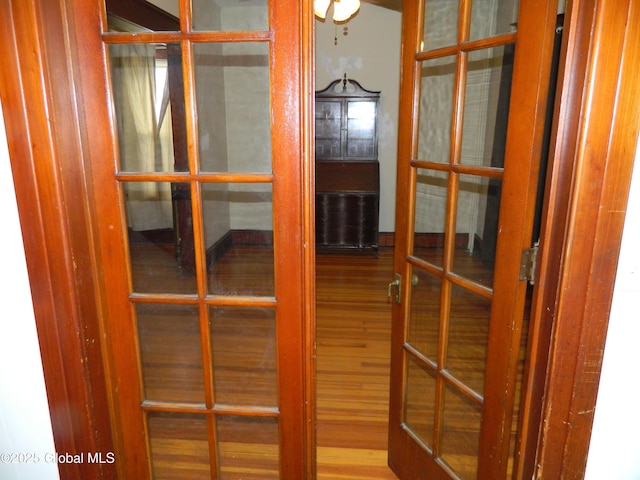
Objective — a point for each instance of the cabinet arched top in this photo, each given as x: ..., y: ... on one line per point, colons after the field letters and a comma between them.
x: 347, y: 88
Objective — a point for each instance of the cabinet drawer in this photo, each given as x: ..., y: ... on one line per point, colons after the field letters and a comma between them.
x: 347, y: 176
x: 347, y: 219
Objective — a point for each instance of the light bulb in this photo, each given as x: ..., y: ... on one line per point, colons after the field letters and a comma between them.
x: 344, y: 9
x: 320, y: 8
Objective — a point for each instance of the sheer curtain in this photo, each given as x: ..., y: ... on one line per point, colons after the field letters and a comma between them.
x: 144, y: 133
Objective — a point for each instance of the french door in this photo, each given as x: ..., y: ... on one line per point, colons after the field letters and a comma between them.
x: 201, y: 234
x: 475, y: 75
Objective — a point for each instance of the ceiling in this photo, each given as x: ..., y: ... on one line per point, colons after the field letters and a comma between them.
x: 170, y: 5
x: 390, y: 4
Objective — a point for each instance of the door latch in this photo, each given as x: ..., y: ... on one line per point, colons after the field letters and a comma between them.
x: 396, y: 286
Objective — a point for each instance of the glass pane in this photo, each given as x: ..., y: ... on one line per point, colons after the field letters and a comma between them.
x: 493, y: 17
x: 461, y: 434
x: 170, y: 353
x: 436, y: 109
x: 179, y: 446
x: 166, y: 18
x: 486, y: 106
x: 424, y: 316
x: 431, y: 208
x: 160, y: 237
x: 243, y: 343
x: 361, y: 129
x: 477, y: 225
x: 232, y: 95
x: 149, y: 107
x: 238, y: 225
x: 328, y: 129
x: 227, y: 15
x: 468, y: 337
x: 419, y: 409
x: 248, y: 448
x: 440, y: 24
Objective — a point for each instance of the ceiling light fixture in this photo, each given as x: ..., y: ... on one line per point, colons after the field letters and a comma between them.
x: 343, y: 10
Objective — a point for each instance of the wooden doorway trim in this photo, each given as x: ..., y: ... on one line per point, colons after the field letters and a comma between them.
x: 596, y: 127
x: 590, y: 184
x: 44, y: 91
x: 44, y: 130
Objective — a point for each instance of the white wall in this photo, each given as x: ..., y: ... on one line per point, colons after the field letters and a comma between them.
x: 234, y: 122
x: 370, y: 54
x: 615, y: 450
x: 25, y: 425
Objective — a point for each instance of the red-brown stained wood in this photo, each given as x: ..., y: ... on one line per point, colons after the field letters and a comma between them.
x: 590, y: 182
x: 48, y: 163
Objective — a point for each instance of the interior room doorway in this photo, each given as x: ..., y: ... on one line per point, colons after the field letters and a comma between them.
x: 62, y: 138
x: 353, y: 313
x: 482, y: 144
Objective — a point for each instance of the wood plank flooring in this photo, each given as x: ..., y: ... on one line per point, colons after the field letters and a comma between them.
x: 353, y: 349
x: 353, y: 360
x: 353, y: 334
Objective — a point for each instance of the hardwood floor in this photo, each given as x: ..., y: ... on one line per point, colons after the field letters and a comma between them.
x: 353, y: 360
x: 353, y: 335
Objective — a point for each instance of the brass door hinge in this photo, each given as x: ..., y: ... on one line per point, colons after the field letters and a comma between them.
x: 528, y: 264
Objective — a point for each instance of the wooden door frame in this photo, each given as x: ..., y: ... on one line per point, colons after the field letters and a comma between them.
x: 48, y: 160
x: 596, y: 124
x: 47, y: 106
x: 595, y: 139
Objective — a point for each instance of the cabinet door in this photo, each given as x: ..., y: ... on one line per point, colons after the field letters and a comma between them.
x: 328, y: 129
x: 362, y: 140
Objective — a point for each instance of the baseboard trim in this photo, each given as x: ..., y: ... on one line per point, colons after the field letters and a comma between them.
x: 237, y: 237
x: 265, y: 237
x: 425, y: 240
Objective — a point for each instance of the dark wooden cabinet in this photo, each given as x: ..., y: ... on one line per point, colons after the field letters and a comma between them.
x: 347, y: 169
